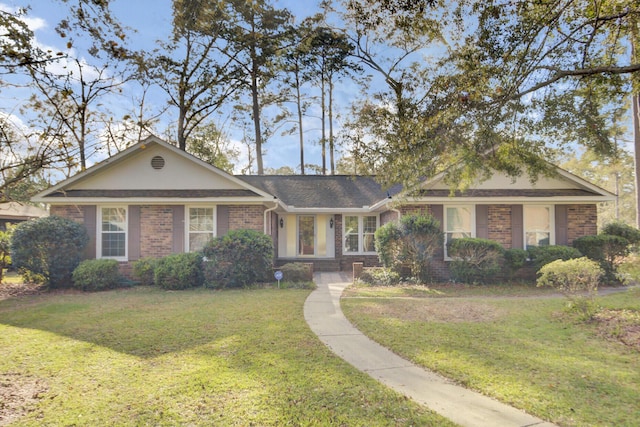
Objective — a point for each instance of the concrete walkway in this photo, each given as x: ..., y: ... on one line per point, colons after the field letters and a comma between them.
x: 467, y: 408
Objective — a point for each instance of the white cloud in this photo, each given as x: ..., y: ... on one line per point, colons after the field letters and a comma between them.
x: 34, y: 24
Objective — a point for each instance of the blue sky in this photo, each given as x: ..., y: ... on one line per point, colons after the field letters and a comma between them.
x: 152, y: 20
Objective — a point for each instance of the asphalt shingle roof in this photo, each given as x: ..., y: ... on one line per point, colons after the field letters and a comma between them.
x: 189, y: 194
x: 318, y: 191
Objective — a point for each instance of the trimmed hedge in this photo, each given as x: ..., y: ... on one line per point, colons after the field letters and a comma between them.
x: 296, y: 272
x: 179, y: 271
x: 96, y: 275
x: 543, y: 255
x: 144, y: 270
x: 474, y: 260
x: 606, y: 250
x: 379, y: 276
x: 623, y: 230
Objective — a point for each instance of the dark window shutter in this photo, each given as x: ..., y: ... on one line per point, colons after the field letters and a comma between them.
x: 482, y: 221
x: 562, y: 222
x: 517, y: 231
x: 90, y: 219
x: 178, y: 229
x: 222, y: 222
x: 437, y: 211
x: 134, y: 233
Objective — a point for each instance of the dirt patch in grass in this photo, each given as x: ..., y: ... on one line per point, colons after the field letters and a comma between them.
x: 18, y: 395
x: 620, y: 325
x: 12, y: 290
x: 436, y: 311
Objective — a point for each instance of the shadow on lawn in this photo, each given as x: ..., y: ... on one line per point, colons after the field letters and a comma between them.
x: 142, y: 322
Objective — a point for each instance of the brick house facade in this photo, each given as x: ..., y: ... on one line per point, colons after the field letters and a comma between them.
x: 153, y: 200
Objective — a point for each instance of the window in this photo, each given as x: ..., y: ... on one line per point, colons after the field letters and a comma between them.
x: 359, y: 234
x: 538, y: 226
x: 112, y: 239
x: 201, y: 227
x: 458, y: 223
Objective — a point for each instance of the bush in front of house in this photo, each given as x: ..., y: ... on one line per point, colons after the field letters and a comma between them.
x: 474, y: 260
x: 379, y: 276
x: 543, y: 255
x: 96, y: 275
x: 179, y: 271
x: 414, y: 240
x: 144, y: 270
x: 605, y: 249
x: 623, y: 230
x: 296, y: 272
x: 238, y: 259
x: 577, y: 279
x: 5, y: 248
x: 48, y: 249
x: 514, y: 260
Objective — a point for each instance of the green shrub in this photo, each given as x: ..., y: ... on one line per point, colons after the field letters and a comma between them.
x: 179, y: 271
x: 623, y: 230
x: 543, y: 255
x: 577, y: 279
x: 5, y: 248
x: 296, y: 272
x: 474, y: 260
x: 379, y: 276
x: 49, y: 249
x: 515, y: 259
x: 238, y: 259
x: 96, y: 275
x: 415, y: 241
x: 144, y: 270
x: 607, y: 250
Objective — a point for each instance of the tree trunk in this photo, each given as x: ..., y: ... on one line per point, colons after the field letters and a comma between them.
x: 331, y: 142
x: 300, y: 132
x: 324, y: 132
x: 256, y: 121
x: 635, y: 101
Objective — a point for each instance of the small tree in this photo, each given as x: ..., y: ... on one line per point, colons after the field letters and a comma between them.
x: 48, y: 249
x: 607, y: 250
x: 237, y: 259
x: 577, y: 279
x: 414, y: 240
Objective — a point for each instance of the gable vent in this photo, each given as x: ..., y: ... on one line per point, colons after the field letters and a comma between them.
x: 157, y: 162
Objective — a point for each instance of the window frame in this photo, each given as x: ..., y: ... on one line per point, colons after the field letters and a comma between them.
x: 100, y: 232
x: 445, y: 225
x: 552, y: 225
x: 361, y: 234
x: 187, y: 224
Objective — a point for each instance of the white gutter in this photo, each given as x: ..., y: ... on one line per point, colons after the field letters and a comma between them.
x: 275, y: 206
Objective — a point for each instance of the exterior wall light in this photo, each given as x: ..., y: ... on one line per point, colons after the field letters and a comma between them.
x: 281, y: 222
x: 331, y: 223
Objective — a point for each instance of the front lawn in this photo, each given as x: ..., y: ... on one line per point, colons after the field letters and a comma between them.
x: 143, y: 356
x: 521, y: 350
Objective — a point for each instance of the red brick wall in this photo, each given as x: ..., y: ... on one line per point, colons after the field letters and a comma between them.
x: 156, y: 230
x: 72, y: 212
x: 388, y: 216
x: 246, y: 217
x: 415, y: 209
x: 582, y: 220
x: 500, y: 224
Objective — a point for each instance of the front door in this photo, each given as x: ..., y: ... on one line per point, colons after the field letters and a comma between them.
x: 306, y: 235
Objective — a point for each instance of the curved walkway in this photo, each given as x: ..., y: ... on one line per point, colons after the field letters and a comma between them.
x: 467, y: 408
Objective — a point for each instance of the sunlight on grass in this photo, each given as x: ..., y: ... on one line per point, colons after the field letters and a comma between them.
x: 518, y: 350
x: 143, y: 356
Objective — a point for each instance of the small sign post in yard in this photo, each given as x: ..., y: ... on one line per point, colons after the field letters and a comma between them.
x: 278, y: 276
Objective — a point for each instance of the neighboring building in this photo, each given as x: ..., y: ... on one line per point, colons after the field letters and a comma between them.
x: 15, y: 212
x: 153, y: 199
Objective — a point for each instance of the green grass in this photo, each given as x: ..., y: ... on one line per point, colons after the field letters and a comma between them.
x: 143, y: 356
x: 522, y: 351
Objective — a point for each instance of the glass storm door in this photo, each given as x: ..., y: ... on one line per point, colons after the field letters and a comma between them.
x: 306, y: 235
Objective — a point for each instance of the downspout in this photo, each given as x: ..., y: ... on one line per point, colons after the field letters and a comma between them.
x: 266, y: 228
